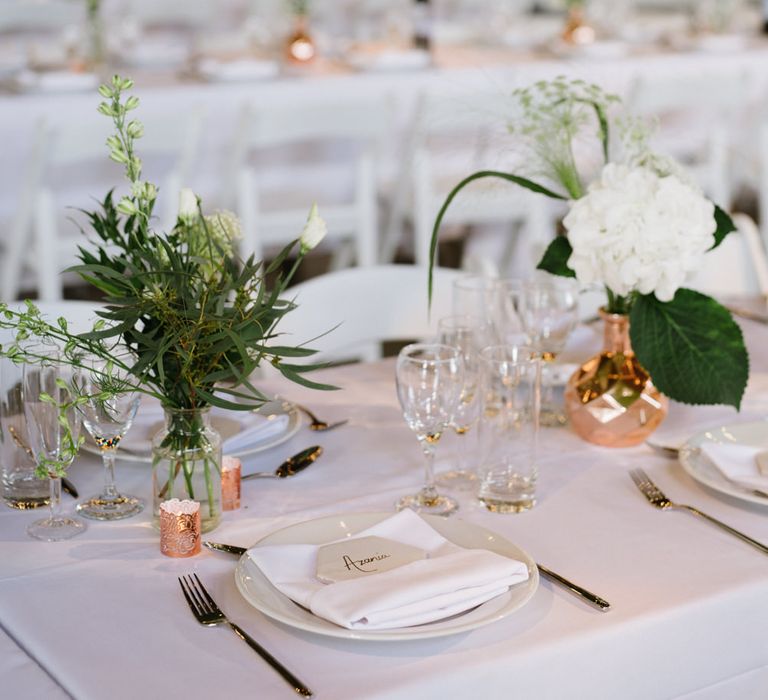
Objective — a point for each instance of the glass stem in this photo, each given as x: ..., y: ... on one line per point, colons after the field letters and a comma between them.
x: 54, y: 483
x: 108, y: 459
x: 428, y: 443
x: 537, y: 407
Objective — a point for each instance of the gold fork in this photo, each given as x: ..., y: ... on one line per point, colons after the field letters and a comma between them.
x: 657, y: 498
x: 207, y: 613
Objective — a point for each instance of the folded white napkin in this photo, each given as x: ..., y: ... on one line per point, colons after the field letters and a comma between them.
x: 737, y: 463
x: 250, y: 428
x: 450, y: 581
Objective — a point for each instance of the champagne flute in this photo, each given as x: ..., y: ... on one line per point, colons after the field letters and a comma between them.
x: 53, y: 433
x: 429, y: 384
x: 469, y: 335
x: 108, y: 408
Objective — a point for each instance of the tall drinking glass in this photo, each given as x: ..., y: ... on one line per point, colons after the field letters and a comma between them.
x: 51, y: 433
x: 429, y: 384
x: 509, y: 429
x: 469, y: 335
x: 107, y: 412
x: 476, y: 296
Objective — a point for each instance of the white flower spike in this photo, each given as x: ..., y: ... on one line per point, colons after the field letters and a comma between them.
x: 188, y: 207
x: 314, y: 230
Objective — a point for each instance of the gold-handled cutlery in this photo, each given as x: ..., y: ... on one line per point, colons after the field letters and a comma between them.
x: 293, y: 465
x: 657, y: 498
x: 577, y: 590
x: 318, y: 425
x: 207, y: 613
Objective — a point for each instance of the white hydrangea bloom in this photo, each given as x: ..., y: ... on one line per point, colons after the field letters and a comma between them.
x: 636, y: 230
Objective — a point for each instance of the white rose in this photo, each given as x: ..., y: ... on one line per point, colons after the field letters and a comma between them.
x: 637, y: 230
x: 314, y: 230
x: 188, y: 207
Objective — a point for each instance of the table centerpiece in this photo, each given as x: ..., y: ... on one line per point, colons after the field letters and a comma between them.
x: 638, y: 229
x: 186, y: 321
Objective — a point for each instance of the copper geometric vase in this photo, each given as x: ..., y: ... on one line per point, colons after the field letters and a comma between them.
x: 610, y: 400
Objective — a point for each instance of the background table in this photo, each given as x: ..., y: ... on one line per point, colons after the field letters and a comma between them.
x: 103, y: 614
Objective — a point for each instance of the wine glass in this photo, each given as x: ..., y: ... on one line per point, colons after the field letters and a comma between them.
x: 108, y: 407
x: 549, y: 312
x: 429, y: 384
x: 475, y: 295
x: 469, y: 335
x: 53, y: 432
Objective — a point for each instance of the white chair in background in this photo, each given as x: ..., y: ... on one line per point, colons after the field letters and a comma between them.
x: 452, y: 137
x: 696, y: 118
x: 65, y: 151
x: 288, y: 156
x: 738, y: 267
x: 346, y: 314
x: 46, y: 16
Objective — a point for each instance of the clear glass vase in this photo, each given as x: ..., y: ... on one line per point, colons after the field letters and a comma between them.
x: 611, y: 400
x: 186, y: 464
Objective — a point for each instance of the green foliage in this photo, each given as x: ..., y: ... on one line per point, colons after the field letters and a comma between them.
x: 692, y: 348
x: 555, y: 258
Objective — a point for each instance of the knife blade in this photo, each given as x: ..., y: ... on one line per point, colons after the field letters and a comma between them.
x: 228, y: 548
x: 69, y: 487
x: 590, y: 597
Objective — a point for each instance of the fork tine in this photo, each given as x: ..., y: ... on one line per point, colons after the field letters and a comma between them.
x: 637, y: 476
x: 190, y: 601
x: 211, y: 601
x: 202, y: 603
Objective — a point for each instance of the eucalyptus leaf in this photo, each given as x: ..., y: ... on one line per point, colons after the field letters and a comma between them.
x: 556, y: 256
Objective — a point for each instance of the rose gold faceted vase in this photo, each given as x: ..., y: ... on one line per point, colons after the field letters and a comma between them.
x: 611, y: 400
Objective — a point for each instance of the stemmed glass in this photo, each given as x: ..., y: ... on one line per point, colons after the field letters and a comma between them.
x: 549, y: 312
x: 429, y: 384
x: 53, y: 431
x: 107, y: 408
x: 469, y: 335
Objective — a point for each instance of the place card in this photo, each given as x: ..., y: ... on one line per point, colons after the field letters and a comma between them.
x: 363, y: 556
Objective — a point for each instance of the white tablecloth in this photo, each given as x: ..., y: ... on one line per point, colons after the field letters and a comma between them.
x: 103, y: 614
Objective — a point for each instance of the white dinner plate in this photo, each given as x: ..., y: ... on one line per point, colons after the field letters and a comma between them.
x: 262, y: 595
x: 701, y: 468
x: 135, y: 448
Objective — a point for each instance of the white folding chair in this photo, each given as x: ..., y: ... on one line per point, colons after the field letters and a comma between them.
x: 346, y: 314
x: 290, y: 155
x: 738, y: 267
x: 696, y: 115
x: 45, y: 16
x: 69, y: 150
x: 452, y: 137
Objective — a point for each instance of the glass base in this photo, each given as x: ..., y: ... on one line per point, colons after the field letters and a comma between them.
x: 56, y: 529
x: 24, y: 503
x: 458, y: 479
x: 552, y: 417
x: 436, y: 505
x: 496, y: 505
x: 117, y: 508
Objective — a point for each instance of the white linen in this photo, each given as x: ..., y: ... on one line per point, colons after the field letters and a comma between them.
x: 688, y: 600
x: 55, y: 81
x: 737, y: 463
x: 450, y: 581
x: 233, y: 71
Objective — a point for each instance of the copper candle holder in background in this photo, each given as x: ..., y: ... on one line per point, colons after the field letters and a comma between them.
x: 179, y: 528
x: 231, y: 470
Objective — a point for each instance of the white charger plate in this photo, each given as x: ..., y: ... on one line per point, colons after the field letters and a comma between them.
x: 224, y: 425
x: 262, y: 595
x: 700, y: 467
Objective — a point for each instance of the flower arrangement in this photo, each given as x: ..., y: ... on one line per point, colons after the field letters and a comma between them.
x: 186, y: 320
x: 638, y: 229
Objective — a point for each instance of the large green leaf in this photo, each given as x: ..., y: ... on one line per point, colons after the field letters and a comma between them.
x: 692, y: 348
x: 724, y: 224
x: 556, y: 256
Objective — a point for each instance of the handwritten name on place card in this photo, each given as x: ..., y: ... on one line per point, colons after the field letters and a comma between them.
x: 363, y: 556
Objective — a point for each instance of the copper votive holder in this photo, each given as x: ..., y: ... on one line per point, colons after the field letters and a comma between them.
x: 231, y: 470
x: 179, y: 528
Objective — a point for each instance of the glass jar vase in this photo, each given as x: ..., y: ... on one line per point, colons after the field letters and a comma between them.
x: 611, y: 400
x: 186, y: 464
